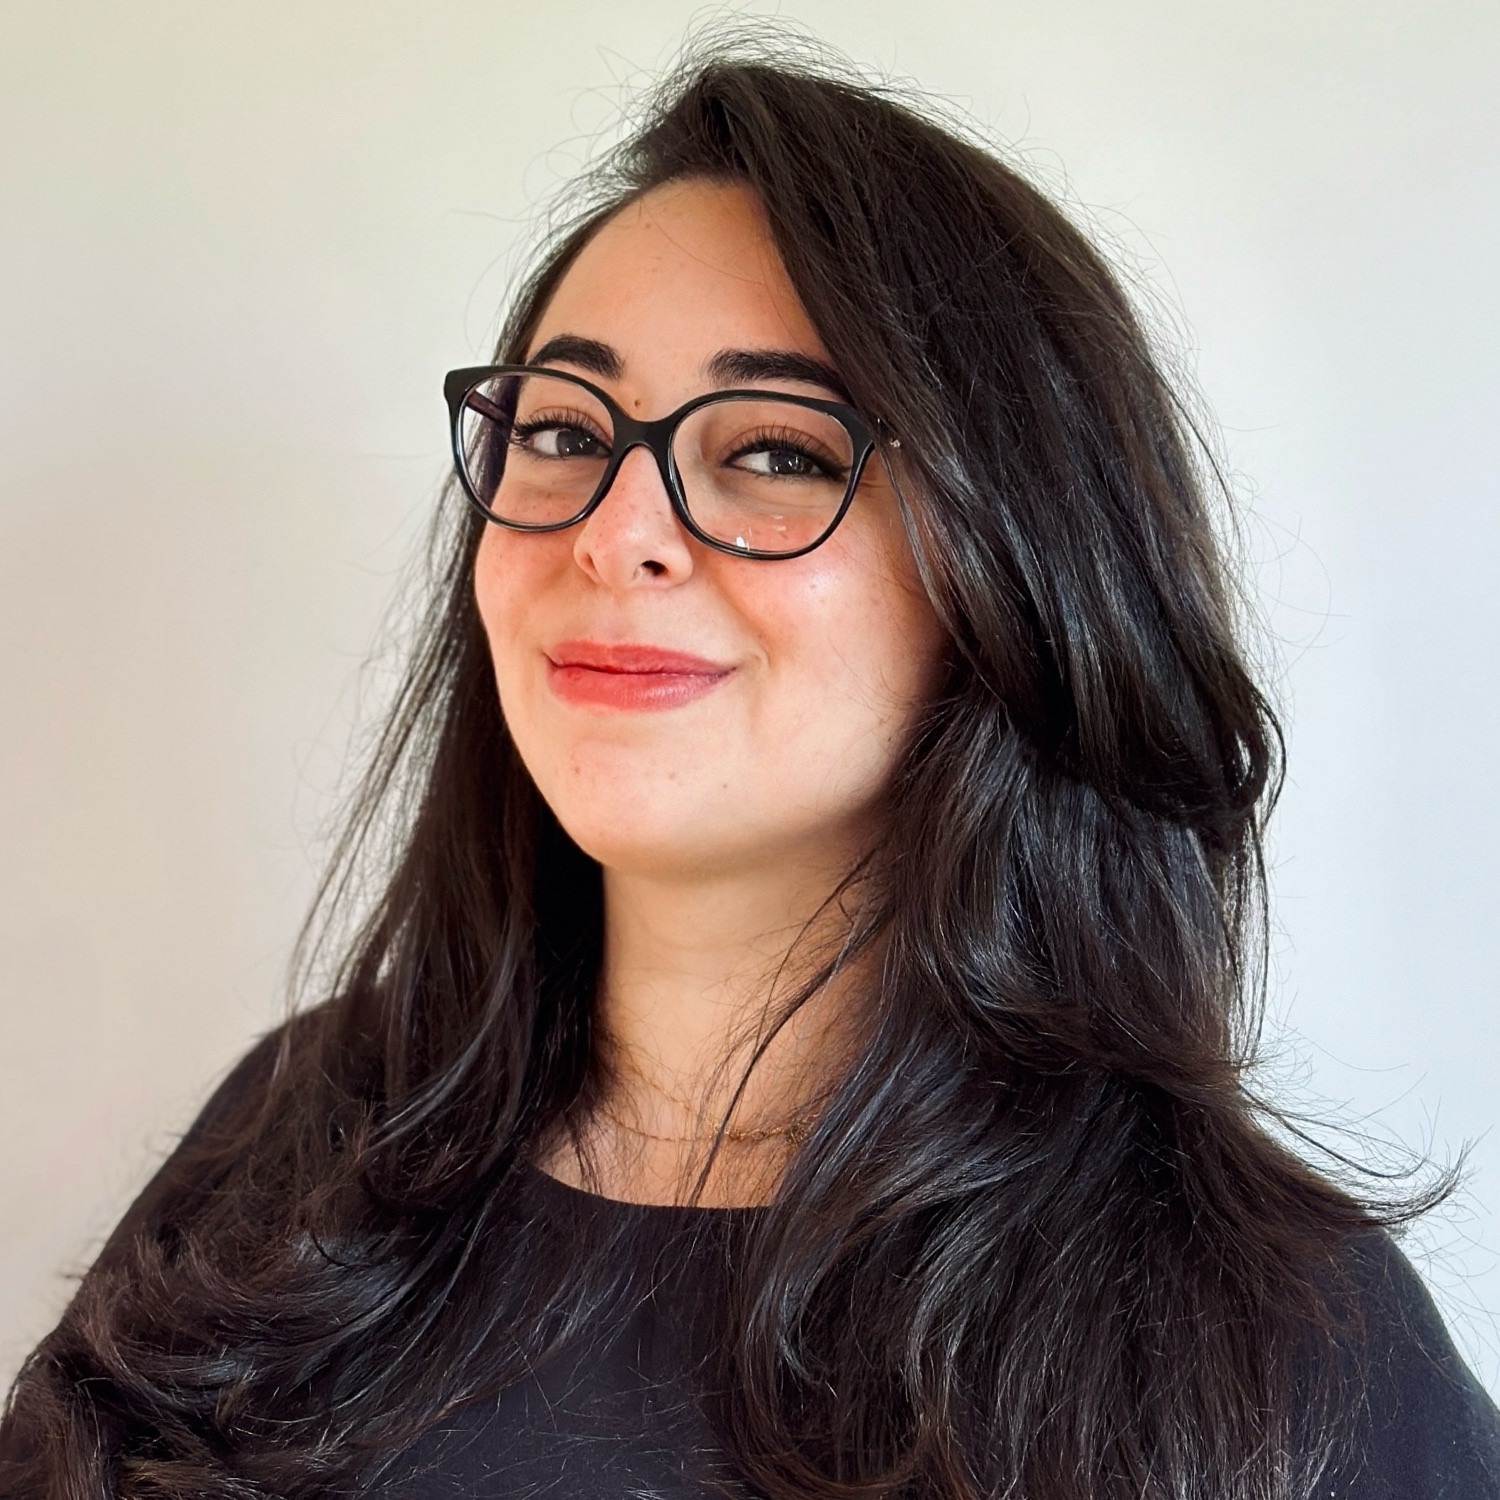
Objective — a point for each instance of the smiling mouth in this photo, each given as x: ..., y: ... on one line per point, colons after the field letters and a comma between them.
x: 628, y: 676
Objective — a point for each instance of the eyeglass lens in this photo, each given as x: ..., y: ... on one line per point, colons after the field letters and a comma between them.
x: 762, y: 474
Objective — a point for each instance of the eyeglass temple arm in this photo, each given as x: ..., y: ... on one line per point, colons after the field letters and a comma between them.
x: 484, y: 406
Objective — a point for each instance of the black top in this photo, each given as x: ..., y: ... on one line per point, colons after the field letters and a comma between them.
x: 620, y: 1413
x: 619, y: 1416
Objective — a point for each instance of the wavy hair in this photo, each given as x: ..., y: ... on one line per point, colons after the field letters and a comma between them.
x: 1088, y: 1265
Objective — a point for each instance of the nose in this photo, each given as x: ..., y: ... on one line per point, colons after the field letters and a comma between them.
x: 632, y: 536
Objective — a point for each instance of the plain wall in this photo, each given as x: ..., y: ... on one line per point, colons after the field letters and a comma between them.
x: 241, y: 245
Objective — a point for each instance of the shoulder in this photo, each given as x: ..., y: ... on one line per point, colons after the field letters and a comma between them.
x: 219, y: 1139
x: 97, y: 1378
x: 1418, y: 1424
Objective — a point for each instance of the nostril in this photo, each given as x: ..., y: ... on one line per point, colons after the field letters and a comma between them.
x: 654, y: 568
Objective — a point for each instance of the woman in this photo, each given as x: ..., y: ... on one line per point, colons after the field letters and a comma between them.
x: 799, y: 1044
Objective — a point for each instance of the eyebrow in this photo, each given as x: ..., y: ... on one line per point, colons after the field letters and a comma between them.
x: 587, y: 354
x: 726, y: 368
x: 732, y: 366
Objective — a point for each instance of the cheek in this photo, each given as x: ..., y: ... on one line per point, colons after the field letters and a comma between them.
x: 490, y: 576
x: 494, y: 587
x: 508, y: 582
x: 864, y: 642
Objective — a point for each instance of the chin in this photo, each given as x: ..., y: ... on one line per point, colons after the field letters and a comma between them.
x: 621, y: 803
x: 660, y: 846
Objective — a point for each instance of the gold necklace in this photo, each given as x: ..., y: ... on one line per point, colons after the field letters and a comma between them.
x: 795, y: 1133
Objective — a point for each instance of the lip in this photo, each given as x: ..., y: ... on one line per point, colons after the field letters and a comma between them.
x: 629, y: 675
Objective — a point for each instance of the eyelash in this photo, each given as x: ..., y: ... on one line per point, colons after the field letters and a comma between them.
x: 769, y: 440
x: 554, y: 422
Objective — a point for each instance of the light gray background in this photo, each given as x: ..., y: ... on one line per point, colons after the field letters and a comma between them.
x: 240, y: 246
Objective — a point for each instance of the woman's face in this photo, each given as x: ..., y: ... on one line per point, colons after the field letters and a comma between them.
x: 768, y: 749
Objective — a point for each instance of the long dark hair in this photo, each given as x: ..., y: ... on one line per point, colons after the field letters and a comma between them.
x: 1087, y: 1267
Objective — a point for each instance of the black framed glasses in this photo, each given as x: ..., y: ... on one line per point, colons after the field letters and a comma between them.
x: 753, y: 473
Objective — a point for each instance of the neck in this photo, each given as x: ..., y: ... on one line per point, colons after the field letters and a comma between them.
x: 696, y: 973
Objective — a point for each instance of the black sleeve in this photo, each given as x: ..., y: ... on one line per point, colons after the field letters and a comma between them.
x: 1423, y: 1428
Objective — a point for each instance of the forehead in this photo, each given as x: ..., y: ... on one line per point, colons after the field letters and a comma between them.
x: 687, y: 268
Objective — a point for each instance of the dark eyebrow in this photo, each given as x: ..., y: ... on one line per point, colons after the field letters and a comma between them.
x: 733, y: 366
x: 587, y: 354
x: 727, y: 367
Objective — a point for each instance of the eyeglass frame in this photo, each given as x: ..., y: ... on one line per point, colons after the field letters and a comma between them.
x: 656, y: 436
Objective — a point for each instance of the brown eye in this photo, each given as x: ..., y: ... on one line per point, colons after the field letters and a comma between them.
x: 779, y: 463
x: 551, y: 439
x: 778, y: 456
